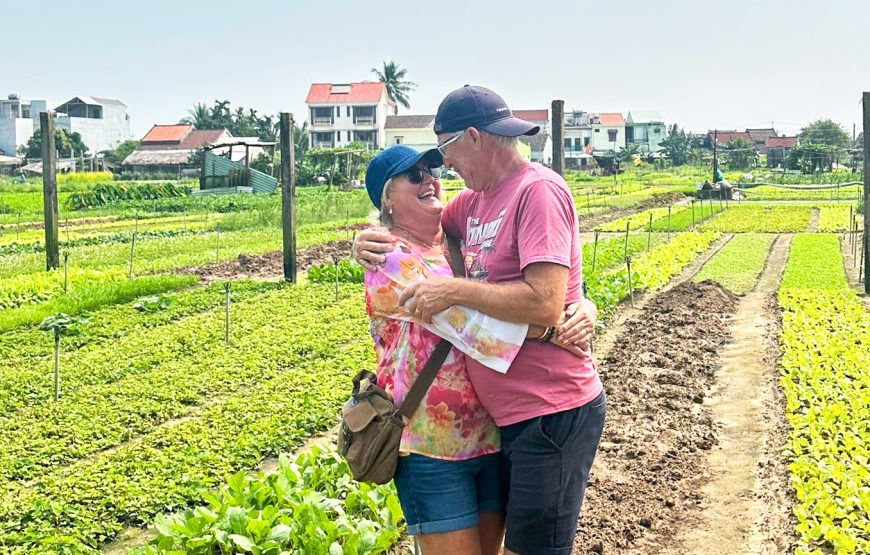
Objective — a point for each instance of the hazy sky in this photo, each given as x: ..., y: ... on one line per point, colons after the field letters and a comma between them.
x: 725, y: 64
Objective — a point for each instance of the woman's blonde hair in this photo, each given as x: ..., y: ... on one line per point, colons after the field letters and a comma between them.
x: 384, y: 216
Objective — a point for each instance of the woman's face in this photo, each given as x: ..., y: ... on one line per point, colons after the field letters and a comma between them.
x: 412, y: 202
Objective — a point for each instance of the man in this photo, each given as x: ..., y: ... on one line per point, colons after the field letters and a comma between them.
x: 521, y: 252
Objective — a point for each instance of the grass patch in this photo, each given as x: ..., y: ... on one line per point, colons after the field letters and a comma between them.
x: 814, y: 262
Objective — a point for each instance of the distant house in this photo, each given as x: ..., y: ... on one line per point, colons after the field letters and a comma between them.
x: 646, y: 129
x: 721, y: 138
x: 417, y: 132
x: 171, y: 149
x: 577, y: 139
x: 608, y: 131
x: 759, y: 138
x: 777, y: 149
x: 540, y: 145
x: 340, y: 113
x: 103, y: 123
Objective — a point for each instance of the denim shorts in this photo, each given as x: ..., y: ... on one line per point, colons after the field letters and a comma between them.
x: 444, y: 495
x: 548, y: 460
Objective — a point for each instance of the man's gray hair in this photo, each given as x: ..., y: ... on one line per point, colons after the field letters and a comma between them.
x: 503, y: 142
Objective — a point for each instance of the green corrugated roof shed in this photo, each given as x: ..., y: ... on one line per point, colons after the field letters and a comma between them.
x: 222, y: 173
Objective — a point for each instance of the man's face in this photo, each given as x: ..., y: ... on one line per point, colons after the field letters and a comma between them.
x: 458, y: 152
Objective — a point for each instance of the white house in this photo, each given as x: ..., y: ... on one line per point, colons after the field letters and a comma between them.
x: 578, y: 139
x: 540, y: 145
x: 341, y: 113
x: 608, y: 131
x: 646, y: 129
x: 417, y: 132
x: 103, y: 123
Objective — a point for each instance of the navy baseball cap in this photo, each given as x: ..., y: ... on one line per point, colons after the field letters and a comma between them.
x: 481, y: 108
x: 393, y: 161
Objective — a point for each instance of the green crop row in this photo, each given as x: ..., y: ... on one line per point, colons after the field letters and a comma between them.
x: 772, y: 218
x: 641, y: 219
x: 311, y: 505
x: 825, y: 345
x: 834, y: 218
x: 693, y: 215
x: 767, y: 192
x: 284, y: 379
x: 737, y: 266
x: 153, y: 375
x: 651, y: 271
x: 612, y: 252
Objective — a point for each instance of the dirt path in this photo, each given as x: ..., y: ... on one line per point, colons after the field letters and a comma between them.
x: 813, y: 227
x: 851, y: 265
x: 745, y: 505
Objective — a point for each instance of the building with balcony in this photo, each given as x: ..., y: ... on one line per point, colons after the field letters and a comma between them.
x: 417, y: 132
x: 646, y: 129
x: 540, y: 145
x: 18, y: 119
x: 578, y: 139
x: 339, y: 114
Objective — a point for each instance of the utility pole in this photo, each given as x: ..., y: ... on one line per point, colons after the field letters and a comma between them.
x: 558, y: 125
x: 288, y: 196
x: 49, y: 190
x: 866, y: 249
x: 715, y: 154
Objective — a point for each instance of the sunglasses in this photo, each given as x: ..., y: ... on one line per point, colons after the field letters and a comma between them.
x: 450, y: 141
x: 417, y: 175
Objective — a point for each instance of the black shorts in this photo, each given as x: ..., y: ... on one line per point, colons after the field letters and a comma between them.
x: 549, y: 458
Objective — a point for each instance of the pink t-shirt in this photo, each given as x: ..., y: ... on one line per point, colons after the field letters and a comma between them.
x: 529, y: 217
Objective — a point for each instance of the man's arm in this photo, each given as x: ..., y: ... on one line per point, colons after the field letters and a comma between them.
x: 536, y: 299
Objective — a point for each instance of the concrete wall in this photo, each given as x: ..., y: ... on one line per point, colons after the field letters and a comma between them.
x: 416, y: 138
x: 601, y: 137
x: 14, y: 133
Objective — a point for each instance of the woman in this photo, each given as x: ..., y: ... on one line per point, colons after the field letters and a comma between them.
x: 449, y: 479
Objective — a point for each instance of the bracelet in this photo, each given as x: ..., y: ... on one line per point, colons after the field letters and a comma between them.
x: 547, y: 335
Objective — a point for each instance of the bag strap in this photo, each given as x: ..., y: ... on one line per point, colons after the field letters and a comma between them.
x: 439, y: 355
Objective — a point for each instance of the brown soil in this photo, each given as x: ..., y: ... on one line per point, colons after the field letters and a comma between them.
x: 589, y: 222
x: 269, y: 266
x: 645, y: 482
x: 62, y: 223
x: 851, y: 265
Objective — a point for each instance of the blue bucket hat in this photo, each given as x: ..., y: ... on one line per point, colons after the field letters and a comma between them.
x: 481, y: 108
x: 391, y: 162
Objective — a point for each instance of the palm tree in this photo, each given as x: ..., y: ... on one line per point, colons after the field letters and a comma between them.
x: 200, y: 116
x: 393, y: 77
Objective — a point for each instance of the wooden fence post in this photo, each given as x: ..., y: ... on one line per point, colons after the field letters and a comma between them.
x: 288, y: 197
x: 558, y: 127
x: 866, y: 245
x: 49, y: 190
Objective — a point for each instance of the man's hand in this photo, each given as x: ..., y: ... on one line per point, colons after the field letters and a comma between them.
x: 577, y: 324
x: 427, y: 297
x: 368, y: 245
x: 579, y: 349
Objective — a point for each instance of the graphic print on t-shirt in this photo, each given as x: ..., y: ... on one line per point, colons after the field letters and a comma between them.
x: 479, y: 243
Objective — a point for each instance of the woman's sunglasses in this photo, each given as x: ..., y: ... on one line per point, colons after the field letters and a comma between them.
x: 417, y: 175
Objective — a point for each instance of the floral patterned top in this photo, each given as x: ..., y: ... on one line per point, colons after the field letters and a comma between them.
x: 450, y: 423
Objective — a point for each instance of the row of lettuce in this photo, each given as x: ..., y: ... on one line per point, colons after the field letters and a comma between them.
x: 825, y: 344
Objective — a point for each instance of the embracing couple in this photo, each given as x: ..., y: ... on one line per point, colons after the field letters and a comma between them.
x: 501, y: 446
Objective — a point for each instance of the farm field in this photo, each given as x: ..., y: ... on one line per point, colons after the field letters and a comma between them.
x: 175, y: 440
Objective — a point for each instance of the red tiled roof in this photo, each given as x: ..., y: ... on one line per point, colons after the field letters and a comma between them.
x: 167, y: 133
x: 781, y: 142
x: 532, y: 115
x: 201, y: 137
x: 723, y: 137
x: 610, y: 118
x: 321, y: 93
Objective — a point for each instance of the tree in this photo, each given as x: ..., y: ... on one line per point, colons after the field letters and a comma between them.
x: 677, y: 146
x: 117, y: 154
x: 241, y: 122
x: 626, y: 154
x: 741, y: 154
x: 393, y: 76
x: 65, y: 142
x: 810, y: 158
x: 825, y: 132
x: 263, y: 161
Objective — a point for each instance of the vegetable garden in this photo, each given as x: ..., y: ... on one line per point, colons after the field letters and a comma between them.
x: 185, y: 403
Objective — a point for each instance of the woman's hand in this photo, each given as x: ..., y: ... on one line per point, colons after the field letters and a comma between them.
x: 368, y: 244
x: 577, y: 324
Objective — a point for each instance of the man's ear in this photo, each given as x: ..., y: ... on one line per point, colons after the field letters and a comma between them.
x: 475, y: 136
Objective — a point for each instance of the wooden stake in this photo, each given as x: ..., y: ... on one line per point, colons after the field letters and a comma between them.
x: 595, y: 249
x: 866, y: 249
x: 557, y: 125
x: 227, y: 312
x: 630, y: 287
x: 65, y: 270
x: 56, y: 364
